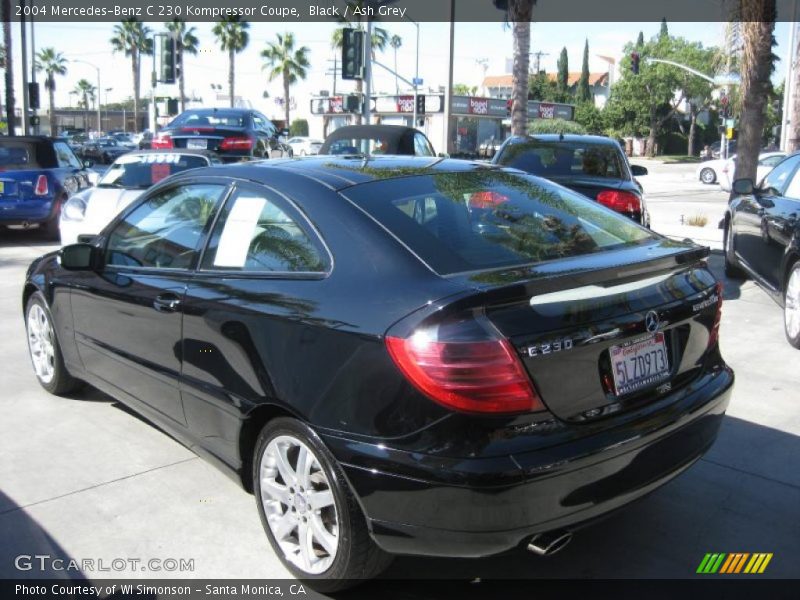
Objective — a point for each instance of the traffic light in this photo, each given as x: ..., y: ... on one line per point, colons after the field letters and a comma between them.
x: 168, y: 55
x: 420, y: 104
x: 33, y: 95
x: 352, y: 53
x: 635, y: 63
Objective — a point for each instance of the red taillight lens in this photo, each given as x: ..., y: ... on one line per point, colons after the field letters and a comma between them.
x: 623, y: 202
x: 236, y: 143
x: 162, y: 141
x: 41, y: 188
x: 713, y: 337
x: 477, y: 377
x: 486, y: 199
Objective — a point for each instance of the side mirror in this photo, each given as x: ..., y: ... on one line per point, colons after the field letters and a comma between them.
x: 78, y: 257
x: 638, y: 171
x: 88, y: 164
x: 743, y: 187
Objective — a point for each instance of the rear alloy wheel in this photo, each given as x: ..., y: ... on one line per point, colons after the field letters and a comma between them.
x: 791, y: 306
x: 45, y: 353
x: 309, y: 513
x: 708, y: 176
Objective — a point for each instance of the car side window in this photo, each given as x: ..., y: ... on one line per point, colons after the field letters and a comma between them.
x: 421, y: 145
x: 775, y: 181
x: 257, y: 232
x: 166, y: 230
x: 65, y: 157
x: 770, y: 161
x: 793, y: 189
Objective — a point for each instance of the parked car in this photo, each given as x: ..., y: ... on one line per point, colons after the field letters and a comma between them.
x: 125, y: 140
x: 103, y: 151
x: 715, y: 148
x: 496, y: 359
x: 592, y: 165
x: 762, y: 238
x: 304, y: 146
x: 37, y: 174
x: 376, y: 140
x: 87, y: 212
x: 233, y: 133
x: 766, y: 162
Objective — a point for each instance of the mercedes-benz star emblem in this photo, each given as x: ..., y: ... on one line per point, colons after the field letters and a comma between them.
x: 651, y: 321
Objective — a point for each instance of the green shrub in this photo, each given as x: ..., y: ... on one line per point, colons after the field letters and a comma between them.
x: 298, y: 127
x: 555, y: 126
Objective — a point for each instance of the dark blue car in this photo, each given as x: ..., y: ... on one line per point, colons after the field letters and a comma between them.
x: 37, y: 175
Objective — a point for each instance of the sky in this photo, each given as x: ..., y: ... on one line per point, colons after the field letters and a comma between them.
x: 473, y: 42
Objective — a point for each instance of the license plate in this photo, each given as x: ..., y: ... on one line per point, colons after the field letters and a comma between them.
x: 197, y: 144
x: 639, y: 363
x: 2, y: 187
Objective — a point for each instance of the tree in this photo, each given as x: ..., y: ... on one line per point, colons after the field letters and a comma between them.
x: 663, y: 34
x: 462, y: 89
x: 590, y: 117
x: 696, y: 90
x: 555, y: 126
x: 395, y: 42
x: 640, y: 40
x: 287, y: 63
x: 520, y: 13
x: 541, y: 87
x: 562, y: 78
x: 9, y: 66
x: 299, y: 127
x: 584, y: 93
x: 187, y: 43
x: 758, y: 25
x: 86, y: 95
x: 52, y: 63
x: 232, y: 36
x: 134, y: 40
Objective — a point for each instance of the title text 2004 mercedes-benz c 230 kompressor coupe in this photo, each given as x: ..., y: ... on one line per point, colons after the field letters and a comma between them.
x: 397, y: 355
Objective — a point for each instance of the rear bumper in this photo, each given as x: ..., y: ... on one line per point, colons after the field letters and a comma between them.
x: 26, y: 211
x: 459, y: 512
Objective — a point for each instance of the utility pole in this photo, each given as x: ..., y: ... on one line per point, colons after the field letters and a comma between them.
x: 23, y: 39
x: 35, y: 124
x: 366, y: 109
x: 448, y: 104
x: 790, y: 123
x: 538, y: 56
x: 333, y: 71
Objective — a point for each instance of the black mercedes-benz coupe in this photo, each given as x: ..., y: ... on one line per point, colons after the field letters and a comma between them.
x: 397, y: 355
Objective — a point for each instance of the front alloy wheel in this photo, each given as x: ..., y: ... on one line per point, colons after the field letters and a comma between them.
x: 708, y: 176
x: 45, y: 353
x: 791, y: 307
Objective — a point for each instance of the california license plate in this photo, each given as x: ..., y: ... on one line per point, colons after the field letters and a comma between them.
x: 2, y: 187
x: 639, y: 363
x: 197, y: 144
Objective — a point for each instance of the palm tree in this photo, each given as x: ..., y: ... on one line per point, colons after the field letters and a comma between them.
x: 52, y: 63
x: 758, y: 24
x: 86, y: 94
x: 520, y: 13
x: 187, y: 42
x: 9, y: 65
x: 133, y: 38
x: 395, y: 42
x: 231, y: 33
x: 286, y: 62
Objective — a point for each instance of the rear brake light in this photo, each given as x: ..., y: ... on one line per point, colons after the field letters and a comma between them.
x: 483, y: 376
x: 713, y: 337
x: 624, y: 202
x: 236, y: 143
x: 41, y: 188
x: 486, y: 199
x: 162, y: 141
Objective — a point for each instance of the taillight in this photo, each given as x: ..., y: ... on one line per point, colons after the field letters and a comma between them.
x: 237, y: 143
x: 623, y: 202
x: 162, y: 141
x: 41, y: 188
x: 713, y: 337
x: 480, y: 376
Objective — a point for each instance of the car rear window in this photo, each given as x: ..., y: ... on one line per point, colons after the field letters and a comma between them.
x: 18, y: 154
x: 459, y: 222
x: 565, y: 159
x: 140, y: 171
x: 210, y: 118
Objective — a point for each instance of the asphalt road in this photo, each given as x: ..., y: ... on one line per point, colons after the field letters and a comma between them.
x: 85, y: 478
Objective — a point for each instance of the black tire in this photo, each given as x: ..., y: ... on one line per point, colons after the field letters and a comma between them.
x: 357, y: 556
x: 708, y: 175
x: 794, y: 271
x: 61, y: 381
x: 732, y: 268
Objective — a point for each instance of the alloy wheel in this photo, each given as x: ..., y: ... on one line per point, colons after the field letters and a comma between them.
x: 791, y: 311
x: 299, y: 504
x: 41, y: 343
x: 707, y: 176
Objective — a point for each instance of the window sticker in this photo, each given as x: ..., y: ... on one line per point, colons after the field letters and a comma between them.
x: 159, y: 171
x: 238, y: 232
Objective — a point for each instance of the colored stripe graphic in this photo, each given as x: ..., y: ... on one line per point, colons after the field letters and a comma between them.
x: 758, y: 563
x: 711, y: 563
x: 734, y: 563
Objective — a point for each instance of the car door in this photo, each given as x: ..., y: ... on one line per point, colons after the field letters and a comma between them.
x: 779, y: 226
x: 752, y: 242
x: 253, y: 297
x: 269, y: 135
x: 128, y: 315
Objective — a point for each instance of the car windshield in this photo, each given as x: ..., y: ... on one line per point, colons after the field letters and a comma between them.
x: 564, y: 159
x: 458, y: 222
x: 140, y: 171
x: 210, y: 118
x: 107, y: 143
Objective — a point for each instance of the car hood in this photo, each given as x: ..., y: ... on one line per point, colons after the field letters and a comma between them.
x: 103, y: 204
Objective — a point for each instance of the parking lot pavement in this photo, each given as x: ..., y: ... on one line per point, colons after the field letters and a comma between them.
x: 83, y: 477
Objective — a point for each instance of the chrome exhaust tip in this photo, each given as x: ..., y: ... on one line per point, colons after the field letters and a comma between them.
x: 549, y: 542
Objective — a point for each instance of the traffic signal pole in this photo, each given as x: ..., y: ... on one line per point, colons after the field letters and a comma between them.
x: 366, y: 108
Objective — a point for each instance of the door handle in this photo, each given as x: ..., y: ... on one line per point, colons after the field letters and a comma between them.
x: 166, y: 303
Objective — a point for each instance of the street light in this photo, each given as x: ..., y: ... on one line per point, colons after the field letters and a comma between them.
x: 107, y: 119
x: 99, y: 88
